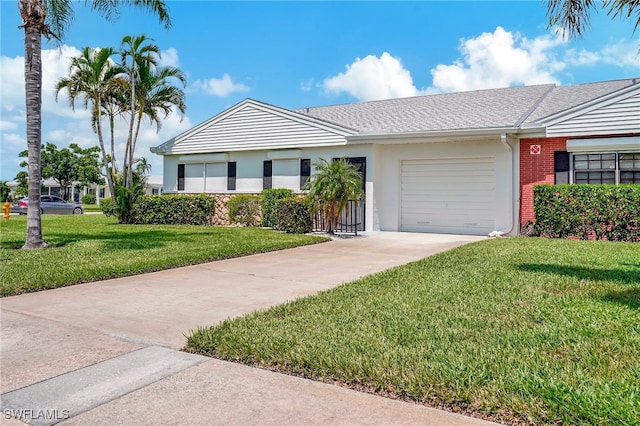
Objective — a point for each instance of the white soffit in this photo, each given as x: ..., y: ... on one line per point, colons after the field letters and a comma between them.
x: 631, y: 143
x: 204, y: 158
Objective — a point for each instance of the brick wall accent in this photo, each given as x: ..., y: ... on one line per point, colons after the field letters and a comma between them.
x: 536, y: 169
x: 221, y: 215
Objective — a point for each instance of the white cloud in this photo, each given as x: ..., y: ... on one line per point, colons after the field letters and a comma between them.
x: 307, y: 85
x: 373, y: 78
x: 169, y: 58
x: 220, y: 87
x: 499, y: 59
x: 60, y: 124
x: 622, y: 53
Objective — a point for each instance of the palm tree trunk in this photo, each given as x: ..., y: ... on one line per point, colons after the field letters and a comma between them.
x: 104, y: 153
x: 33, y: 101
x: 114, y: 167
x: 128, y: 164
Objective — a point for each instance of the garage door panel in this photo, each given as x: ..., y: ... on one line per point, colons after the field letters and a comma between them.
x: 448, y: 195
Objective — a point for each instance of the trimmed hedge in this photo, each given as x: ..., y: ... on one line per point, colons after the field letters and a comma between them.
x: 603, y: 212
x: 89, y: 199
x: 108, y: 207
x: 244, y: 209
x: 174, y: 209
x: 293, y: 216
x: 269, y: 197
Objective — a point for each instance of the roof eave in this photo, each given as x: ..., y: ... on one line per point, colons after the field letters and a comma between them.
x: 441, y: 135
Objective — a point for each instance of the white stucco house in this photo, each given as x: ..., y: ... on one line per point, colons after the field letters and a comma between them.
x: 448, y: 163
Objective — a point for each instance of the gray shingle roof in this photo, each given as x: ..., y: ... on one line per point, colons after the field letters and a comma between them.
x: 479, y: 109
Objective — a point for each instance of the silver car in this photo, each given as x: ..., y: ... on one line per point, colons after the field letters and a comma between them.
x: 49, y: 204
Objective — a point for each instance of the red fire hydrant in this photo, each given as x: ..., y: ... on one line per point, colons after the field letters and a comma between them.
x: 6, y: 208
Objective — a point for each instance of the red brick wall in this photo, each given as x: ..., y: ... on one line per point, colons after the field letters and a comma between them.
x: 536, y: 169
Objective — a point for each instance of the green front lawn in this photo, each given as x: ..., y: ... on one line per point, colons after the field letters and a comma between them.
x: 91, y: 208
x: 94, y: 247
x: 523, y: 331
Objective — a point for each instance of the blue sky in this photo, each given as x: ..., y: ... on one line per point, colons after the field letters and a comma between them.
x: 298, y: 54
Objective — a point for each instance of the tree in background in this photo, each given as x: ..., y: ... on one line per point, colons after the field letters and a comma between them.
x: 69, y: 165
x: 572, y: 16
x: 5, y: 192
x: 50, y: 18
x: 22, y: 190
x: 332, y: 186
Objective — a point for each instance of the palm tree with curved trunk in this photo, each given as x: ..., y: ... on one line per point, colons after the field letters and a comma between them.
x: 572, y: 16
x: 50, y: 18
x: 93, y: 76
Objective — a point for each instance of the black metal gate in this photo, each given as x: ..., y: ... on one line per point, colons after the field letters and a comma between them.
x: 353, y: 216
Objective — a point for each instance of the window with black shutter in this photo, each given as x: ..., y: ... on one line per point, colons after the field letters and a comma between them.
x: 561, y: 167
x: 305, y: 171
x: 180, y: 177
x: 267, y: 174
x: 231, y: 176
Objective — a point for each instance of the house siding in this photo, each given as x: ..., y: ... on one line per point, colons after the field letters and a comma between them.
x: 620, y: 117
x: 251, y: 128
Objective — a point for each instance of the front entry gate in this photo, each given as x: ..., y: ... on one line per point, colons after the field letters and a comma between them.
x: 353, y: 216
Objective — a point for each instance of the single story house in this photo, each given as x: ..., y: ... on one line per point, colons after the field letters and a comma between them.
x: 76, y: 191
x: 447, y: 163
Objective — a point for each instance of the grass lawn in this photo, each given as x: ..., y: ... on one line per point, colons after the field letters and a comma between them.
x: 522, y: 331
x: 91, y: 208
x: 93, y: 247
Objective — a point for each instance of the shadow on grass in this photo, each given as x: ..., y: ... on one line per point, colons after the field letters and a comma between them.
x: 630, y: 298
x: 622, y: 276
x: 113, y: 240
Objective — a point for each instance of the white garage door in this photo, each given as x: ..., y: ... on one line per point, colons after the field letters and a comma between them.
x: 453, y: 195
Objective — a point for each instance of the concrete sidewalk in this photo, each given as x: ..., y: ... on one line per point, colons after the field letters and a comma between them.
x: 105, y: 352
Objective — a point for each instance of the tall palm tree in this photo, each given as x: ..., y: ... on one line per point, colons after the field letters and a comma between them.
x: 136, y: 51
x: 93, y: 76
x: 332, y: 186
x: 155, y: 95
x: 50, y: 18
x: 572, y: 16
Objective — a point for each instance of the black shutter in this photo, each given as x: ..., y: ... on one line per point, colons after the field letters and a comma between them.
x: 561, y: 167
x: 267, y: 173
x: 180, y: 177
x: 305, y: 171
x: 231, y: 176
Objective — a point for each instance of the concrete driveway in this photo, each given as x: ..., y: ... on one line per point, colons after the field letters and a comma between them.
x: 107, y: 352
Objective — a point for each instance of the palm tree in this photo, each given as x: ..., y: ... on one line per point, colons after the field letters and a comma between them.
x: 93, y: 77
x: 332, y: 186
x: 137, y: 51
x: 156, y: 94
x: 572, y: 16
x: 50, y: 18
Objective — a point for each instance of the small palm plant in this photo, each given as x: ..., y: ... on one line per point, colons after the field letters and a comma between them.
x: 332, y: 186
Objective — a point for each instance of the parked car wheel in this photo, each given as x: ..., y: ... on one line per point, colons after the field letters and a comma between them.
x: 77, y: 210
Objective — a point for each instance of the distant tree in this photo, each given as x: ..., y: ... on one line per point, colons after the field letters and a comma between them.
x: 69, y: 165
x: 332, y: 186
x: 23, y: 184
x: 5, y: 192
x: 572, y: 16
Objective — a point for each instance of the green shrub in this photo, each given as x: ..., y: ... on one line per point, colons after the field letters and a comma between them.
x: 269, y: 199
x: 174, y: 209
x: 293, y: 216
x: 108, y: 207
x: 244, y: 209
x: 89, y: 199
x: 603, y: 212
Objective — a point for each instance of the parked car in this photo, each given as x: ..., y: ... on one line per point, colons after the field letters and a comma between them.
x: 49, y: 204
